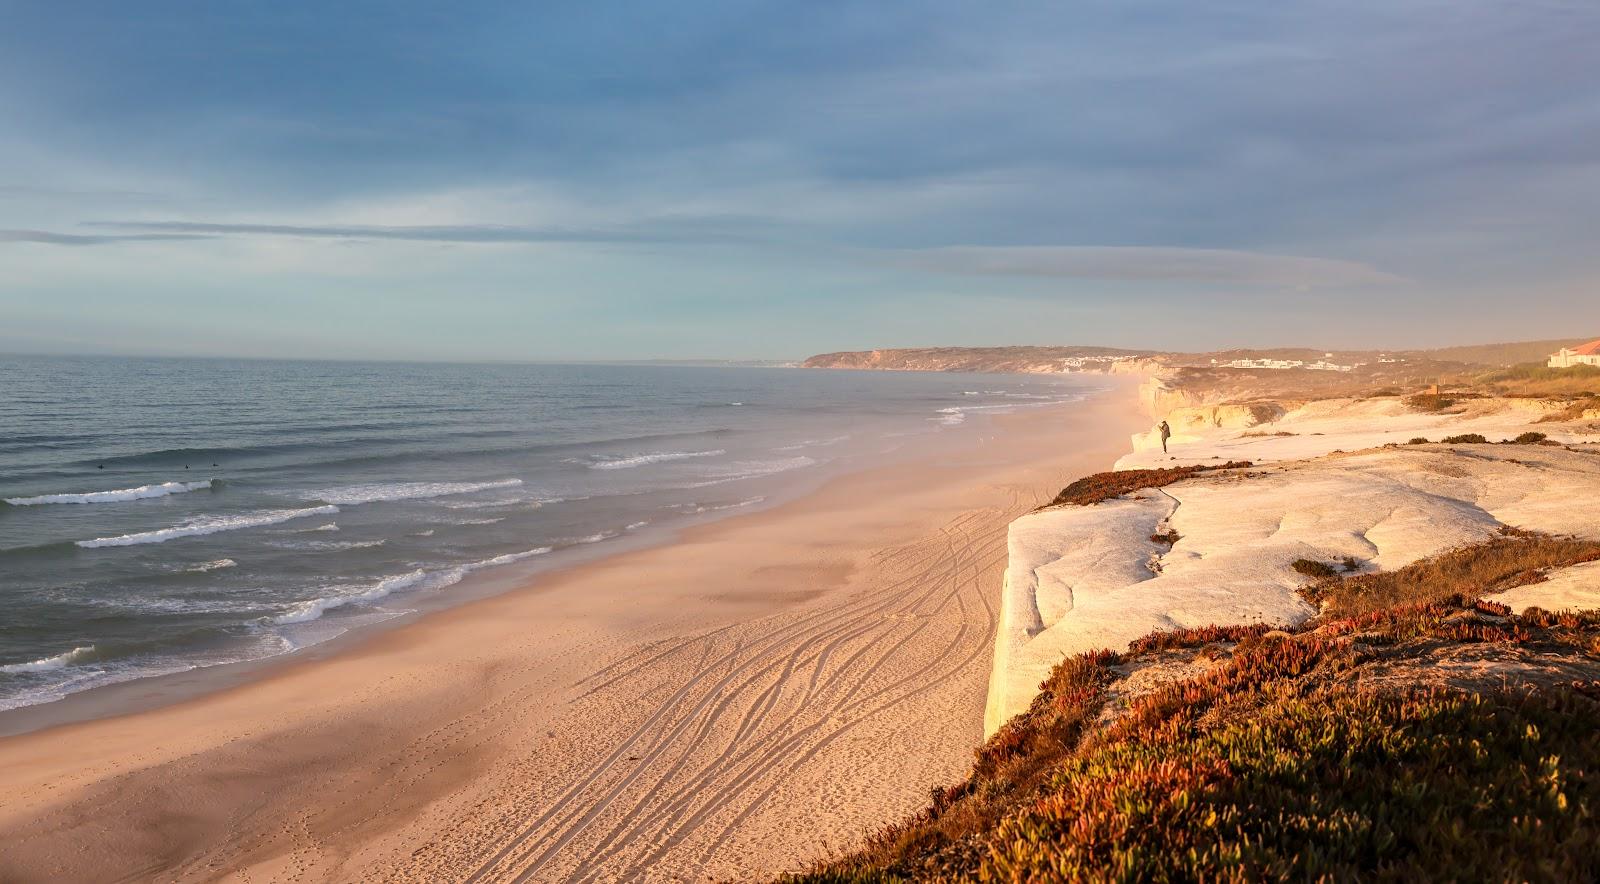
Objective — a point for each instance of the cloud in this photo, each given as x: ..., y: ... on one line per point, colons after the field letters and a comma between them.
x: 1145, y: 263
x: 673, y: 231
x: 74, y: 239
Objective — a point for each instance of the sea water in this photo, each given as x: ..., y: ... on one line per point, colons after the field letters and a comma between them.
x: 161, y: 515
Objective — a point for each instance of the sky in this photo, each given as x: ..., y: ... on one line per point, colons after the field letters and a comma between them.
x: 709, y: 178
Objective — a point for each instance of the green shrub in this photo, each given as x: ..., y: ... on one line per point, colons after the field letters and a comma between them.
x: 1282, y: 762
x: 1464, y: 439
x: 1419, y: 440
x: 1318, y: 570
x: 1104, y: 486
x: 1429, y: 402
x: 1529, y: 438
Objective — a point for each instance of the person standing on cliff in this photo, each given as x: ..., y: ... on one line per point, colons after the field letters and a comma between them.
x: 1166, y: 433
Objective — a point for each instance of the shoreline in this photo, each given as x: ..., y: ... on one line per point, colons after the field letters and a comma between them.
x: 505, y: 727
x: 153, y: 691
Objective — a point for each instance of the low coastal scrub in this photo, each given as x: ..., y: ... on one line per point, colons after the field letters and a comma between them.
x: 1541, y: 381
x: 1338, y: 752
x: 1324, y: 570
x: 1465, y: 439
x: 1104, y: 486
x: 1429, y: 402
x: 1574, y: 410
x: 1529, y: 438
x: 1515, y: 559
x: 1319, y: 570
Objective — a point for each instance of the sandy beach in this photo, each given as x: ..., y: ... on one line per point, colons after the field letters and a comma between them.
x: 733, y: 704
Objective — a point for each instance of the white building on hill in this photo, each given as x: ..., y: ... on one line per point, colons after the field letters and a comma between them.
x: 1584, y: 354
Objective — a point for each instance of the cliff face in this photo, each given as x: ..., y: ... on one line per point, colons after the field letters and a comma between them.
x: 1024, y: 360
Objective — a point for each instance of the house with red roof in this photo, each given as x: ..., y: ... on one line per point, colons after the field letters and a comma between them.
x: 1583, y: 354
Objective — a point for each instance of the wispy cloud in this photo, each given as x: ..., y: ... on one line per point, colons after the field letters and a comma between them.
x: 1145, y: 263
x: 75, y: 239
x: 676, y: 231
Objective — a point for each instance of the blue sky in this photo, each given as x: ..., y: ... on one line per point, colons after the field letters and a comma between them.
x: 748, y: 179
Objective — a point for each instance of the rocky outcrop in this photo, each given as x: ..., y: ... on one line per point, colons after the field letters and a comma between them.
x: 1333, y: 481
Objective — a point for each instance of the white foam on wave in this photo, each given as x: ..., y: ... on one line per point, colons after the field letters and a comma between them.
x: 595, y: 538
x: 217, y: 565
x: 312, y: 609
x: 143, y: 492
x: 752, y: 469
x: 698, y: 508
x: 956, y: 415
x: 209, y: 526
x: 812, y: 443
x: 59, y: 661
x: 639, y: 460
x: 351, y: 495
x: 481, y: 504
x: 328, y: 545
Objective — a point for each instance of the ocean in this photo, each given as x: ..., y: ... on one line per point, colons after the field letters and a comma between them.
x: 162, y: 515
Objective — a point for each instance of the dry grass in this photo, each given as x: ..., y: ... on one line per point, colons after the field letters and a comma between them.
x: 1573, y: 411
x: 1104, y: 486
x: 1539, y: 381
x: 1472, y: 571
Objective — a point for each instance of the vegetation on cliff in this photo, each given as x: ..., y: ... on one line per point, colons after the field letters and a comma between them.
x: 1105, y: 486
x: 1408, y: 733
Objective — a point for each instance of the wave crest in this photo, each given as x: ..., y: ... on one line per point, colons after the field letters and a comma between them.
x: 142, y: 492
x: 639, y: 460
x: 59, y: 661
x: 312, y: 609
x: 208, y: 526
x: 352, y: 495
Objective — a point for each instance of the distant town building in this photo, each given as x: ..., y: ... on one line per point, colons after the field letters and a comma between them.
x: 1284, y: 364
x: 1092, y: 361
x: 1584, y: 354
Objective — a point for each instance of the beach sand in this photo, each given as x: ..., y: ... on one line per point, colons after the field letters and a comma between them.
x: 737, y: 703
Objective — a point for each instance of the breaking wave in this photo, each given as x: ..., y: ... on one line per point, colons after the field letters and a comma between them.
x: 352, y: 495
x: 141, y: 493
x: 59, y: 661
x: 209, y: 526
x: 314, y: 608
x: 639, y: 460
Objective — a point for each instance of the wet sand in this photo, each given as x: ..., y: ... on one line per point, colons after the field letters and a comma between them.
x: 757, y: 693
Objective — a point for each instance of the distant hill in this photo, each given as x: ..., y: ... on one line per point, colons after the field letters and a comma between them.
x: 1501, y: 355
x: 1054, y: 359
x: 980, y: 359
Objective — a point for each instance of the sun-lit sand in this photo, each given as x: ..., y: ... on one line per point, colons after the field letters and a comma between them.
x: 736, y: 703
